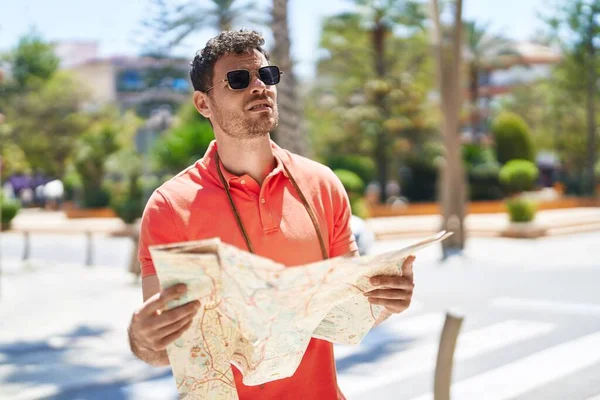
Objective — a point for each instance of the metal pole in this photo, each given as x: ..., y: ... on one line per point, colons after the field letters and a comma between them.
x: 89, y: 253
x: 443, y: 367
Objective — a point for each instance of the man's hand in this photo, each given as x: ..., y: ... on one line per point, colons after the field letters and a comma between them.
x: 152, y: 329
x: 394, y: 292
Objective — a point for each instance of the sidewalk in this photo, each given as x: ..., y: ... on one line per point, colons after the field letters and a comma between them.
x: 64, y: 332
x: 558, y: 222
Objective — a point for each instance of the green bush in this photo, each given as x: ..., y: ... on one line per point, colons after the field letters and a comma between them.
x: 419, y: 180
x: 9, y: 210
x: 355, y: 188
x: 351, y: 181
x: 513, y: 138
x: 129, y: 204
x: 94, y: 197
x: 519, y: 175
x: 362, y: 166
x: 484, y: 182
x: 521, y: 210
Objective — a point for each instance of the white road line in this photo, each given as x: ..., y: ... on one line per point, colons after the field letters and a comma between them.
x: 421, y: 326
x: 516, y: 378
x: 362, y: 378
x: 588, y: 309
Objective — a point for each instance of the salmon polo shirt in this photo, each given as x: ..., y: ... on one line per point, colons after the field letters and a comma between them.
x: 194, y: 205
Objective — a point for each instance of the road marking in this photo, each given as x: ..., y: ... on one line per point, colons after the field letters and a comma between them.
x: 595, y: 397
x: 362, y: 378
x: 587, y: 309
x: 516, y: 378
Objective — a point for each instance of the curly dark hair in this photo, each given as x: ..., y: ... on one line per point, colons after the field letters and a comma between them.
x: 238, y: 42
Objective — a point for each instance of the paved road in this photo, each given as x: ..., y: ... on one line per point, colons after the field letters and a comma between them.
x: 531, y: 329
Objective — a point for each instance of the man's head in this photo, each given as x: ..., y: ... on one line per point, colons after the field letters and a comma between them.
x: 233, y: 111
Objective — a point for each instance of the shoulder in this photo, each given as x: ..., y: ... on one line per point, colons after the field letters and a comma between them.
x: 314, y: 173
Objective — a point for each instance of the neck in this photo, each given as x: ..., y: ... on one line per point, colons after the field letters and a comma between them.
x: 253, y: 157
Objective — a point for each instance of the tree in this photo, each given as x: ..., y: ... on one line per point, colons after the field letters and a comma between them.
x: 289, y: 133
x: 576, y: 23
x: 370, y: 75
x: 31, y: 62
x: 170, y: 25
x: 448, y: 54
x: 45, y: 122
x: 183, y: 143
x: 482, y: 48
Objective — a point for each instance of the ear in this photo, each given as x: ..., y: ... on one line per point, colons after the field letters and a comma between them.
x: 201, y: 103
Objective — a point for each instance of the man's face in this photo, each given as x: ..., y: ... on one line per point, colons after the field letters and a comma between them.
x: 232, y: 110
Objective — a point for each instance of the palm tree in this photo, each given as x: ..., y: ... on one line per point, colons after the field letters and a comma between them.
x: 482, y: 48
x: 380, y: 19
x: 448, y: 54
x: 171, y: 25
x: 289, y: 133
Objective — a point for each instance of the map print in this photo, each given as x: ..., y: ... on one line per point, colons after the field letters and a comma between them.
x: 259, y: 315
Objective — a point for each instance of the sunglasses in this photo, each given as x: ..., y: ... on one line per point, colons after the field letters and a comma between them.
x: 240, y: 78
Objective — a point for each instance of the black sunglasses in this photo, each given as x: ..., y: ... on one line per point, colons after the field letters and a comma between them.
x: 240, y: 78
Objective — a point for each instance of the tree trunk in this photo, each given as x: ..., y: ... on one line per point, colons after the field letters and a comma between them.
x: 452, y: 184
x: 289, y: 134
x: 379, y: 33
x: 591, y: 121
x: 474, y: 89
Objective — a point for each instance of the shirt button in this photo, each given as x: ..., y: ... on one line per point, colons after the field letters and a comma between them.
x: 263, y: 201
x: 243, y: 182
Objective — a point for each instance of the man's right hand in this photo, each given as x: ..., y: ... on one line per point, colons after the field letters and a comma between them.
x: 152, y: 328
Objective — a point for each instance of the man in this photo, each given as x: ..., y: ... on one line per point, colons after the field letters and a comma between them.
x: 256, y: 196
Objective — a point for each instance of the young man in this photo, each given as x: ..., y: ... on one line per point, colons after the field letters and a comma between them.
x: 256, y: 196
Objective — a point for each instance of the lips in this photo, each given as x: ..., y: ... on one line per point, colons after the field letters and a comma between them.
x: 260, y: 106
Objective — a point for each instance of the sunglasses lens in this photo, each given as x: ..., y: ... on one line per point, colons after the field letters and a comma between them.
x: 238, y: 79
x: 269, y: 75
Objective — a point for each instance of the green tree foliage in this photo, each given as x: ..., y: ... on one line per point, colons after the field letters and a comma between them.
x: 576, y: 25
x: 519, y: 175
x: 106, y: 134
x: 184, y: 143
x: 513, y: 138
x: 373, y: 83
x: 31, y: 62
x: 42, y: 108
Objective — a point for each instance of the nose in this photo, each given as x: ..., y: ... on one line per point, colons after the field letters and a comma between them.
x: 256, y: 84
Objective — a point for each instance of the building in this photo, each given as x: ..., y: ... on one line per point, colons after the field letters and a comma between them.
x: 139, y: 83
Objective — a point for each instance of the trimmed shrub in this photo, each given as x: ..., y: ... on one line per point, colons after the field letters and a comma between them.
x: 484, y: 182
x: 362, y: 166
x: 521, y: 210
x: 513, y: 138
x: 9, y: 209
x: 354, y: 187
x: 518, y: 176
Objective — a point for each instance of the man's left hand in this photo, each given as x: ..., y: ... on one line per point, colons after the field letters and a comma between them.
x: 394, y: 292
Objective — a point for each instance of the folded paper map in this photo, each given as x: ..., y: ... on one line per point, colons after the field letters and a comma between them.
x: 259, y: 315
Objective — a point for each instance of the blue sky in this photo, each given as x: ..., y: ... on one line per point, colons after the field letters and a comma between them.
x: 113, y: 23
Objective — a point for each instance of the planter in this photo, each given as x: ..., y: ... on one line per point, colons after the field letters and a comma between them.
x: 524, y: 230
x: 90, y: 213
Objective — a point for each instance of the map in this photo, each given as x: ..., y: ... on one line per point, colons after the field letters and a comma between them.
x: 259, y: 315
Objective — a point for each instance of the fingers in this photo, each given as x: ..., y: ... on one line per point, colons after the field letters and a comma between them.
x: 160, y: 300
x: 176, y: 326
x: 176, y: 314
x: 393, y: 282
x: 164, y: 342
x: 407, y: 267
x: 393, y: 294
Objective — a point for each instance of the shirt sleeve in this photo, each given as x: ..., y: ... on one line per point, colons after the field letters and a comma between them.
x: 157, y: 227
x: 342, y: 239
